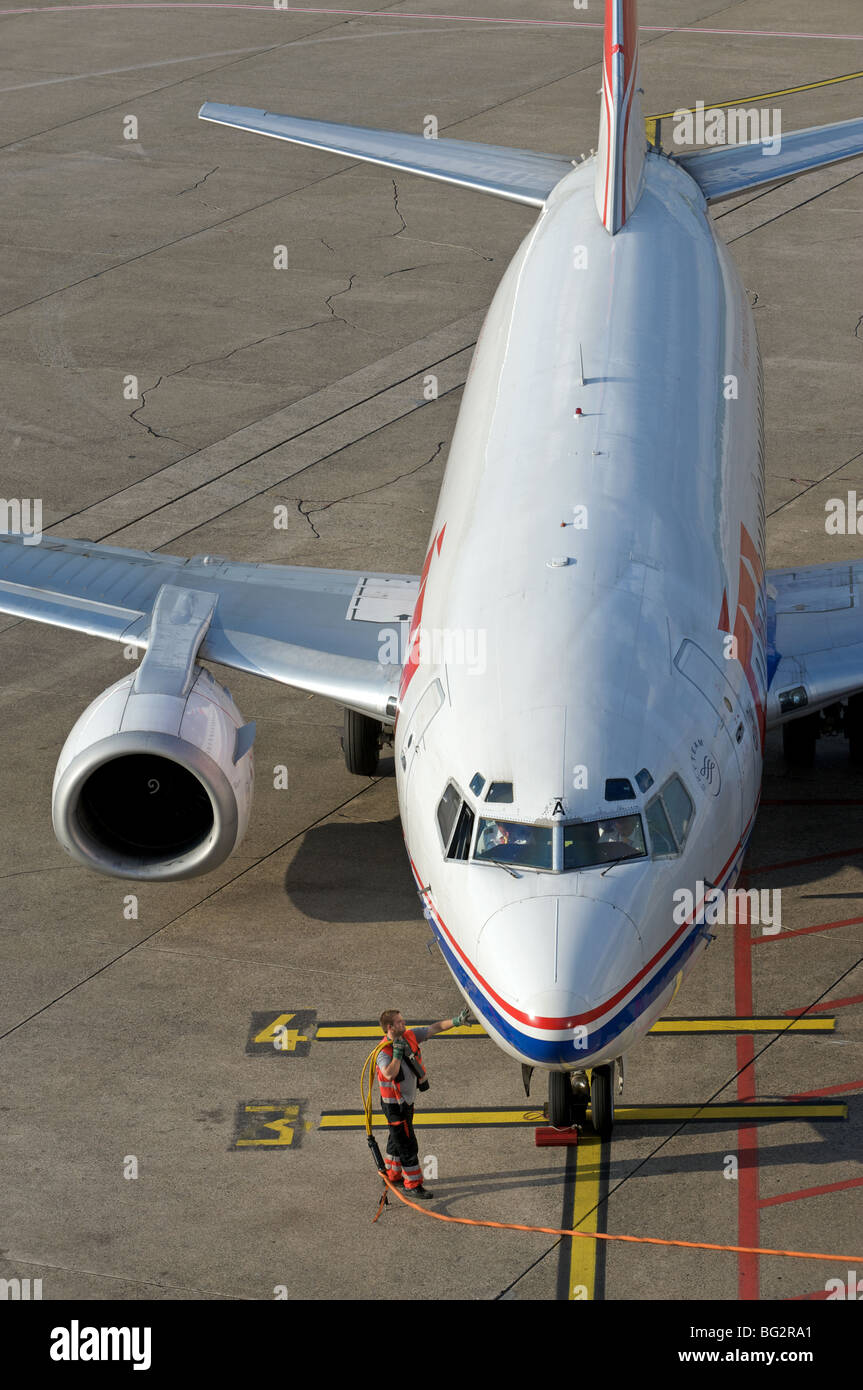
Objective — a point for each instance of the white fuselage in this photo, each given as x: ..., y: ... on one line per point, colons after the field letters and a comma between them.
x: 556, y: 677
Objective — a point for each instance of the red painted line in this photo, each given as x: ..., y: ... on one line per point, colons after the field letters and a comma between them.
x: 808, y: 1297
x: 399, y: 14
x: 845, y: 1089
x: 805, y: 1192
x: 748, y: 1283
x: 807, y: 931
x: 815, y: 859
x: 826, y: 1007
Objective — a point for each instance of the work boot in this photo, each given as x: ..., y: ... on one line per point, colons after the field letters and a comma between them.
x: 421, y: 1192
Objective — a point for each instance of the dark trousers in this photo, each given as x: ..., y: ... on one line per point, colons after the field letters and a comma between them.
x: 402, y: 1155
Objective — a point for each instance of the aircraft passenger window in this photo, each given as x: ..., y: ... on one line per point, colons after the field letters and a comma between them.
x: 587, y: 843
x: 619, y: 789
x: 477, y: 782
x: 679, y: 807
x: 508, y: 842
x: 447, y: 811
x: 460, y: 847
x: 661, y: 838
x: 499, y: 791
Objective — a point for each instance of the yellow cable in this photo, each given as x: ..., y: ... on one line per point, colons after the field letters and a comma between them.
x: 367, y: 1099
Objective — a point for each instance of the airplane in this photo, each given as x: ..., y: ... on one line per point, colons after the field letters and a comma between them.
x: 594, y: 650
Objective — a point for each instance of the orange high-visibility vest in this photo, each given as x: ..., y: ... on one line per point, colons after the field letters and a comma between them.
x: 390, y: 1089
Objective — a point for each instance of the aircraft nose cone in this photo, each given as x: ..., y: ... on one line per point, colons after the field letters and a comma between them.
x: 559, y: 957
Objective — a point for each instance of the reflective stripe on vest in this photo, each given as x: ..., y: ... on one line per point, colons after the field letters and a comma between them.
x: 390, y: 1089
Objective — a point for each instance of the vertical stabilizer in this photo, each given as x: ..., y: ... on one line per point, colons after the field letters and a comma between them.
x: 622, y: 141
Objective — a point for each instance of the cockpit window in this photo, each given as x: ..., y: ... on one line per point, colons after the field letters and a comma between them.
x: 510, y: 842
x: 661, y: 838
x: 499, y: 791
x: 447, y: 811
x: 618, y: 789
x: 460, y: 845
x: 477, y: 782
x: 679, y: 807
x: 602, y: 841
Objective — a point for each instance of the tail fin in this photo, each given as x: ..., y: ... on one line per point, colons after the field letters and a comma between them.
x: 622, y: 141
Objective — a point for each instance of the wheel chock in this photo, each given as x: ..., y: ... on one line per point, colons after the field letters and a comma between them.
x: 545, y: 1136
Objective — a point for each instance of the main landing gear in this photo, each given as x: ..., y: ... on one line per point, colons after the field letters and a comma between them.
x: 361, y: 743
x: 570, y: 1094
x: 799, y: 736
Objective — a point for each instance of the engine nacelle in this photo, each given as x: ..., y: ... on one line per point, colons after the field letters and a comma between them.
x: 155, y: 786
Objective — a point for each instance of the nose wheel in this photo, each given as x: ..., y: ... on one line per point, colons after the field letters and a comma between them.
x: 568, y: 1095
x: 602, y: 1090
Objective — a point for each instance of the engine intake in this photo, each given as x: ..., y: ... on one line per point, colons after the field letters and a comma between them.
x: 155, y: 786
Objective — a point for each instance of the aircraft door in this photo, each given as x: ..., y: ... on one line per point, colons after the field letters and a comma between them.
x: 410, y: 753
x: 727, y: 736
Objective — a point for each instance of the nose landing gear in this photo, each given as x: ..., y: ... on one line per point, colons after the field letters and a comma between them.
x: 569, y: 1094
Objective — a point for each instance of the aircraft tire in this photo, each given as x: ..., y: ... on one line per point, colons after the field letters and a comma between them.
x: 361, y: 743
x: 854, y: 729
x: 559, y: 1099
x: 799, y: 737
x: 602, y: 1100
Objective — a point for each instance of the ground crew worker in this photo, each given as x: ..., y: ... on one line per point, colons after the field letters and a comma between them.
x: 400, y: 1068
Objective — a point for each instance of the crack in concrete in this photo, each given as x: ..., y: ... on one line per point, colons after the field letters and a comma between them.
x: 315, y: 532
x: 857, y: 329
x: 406, y: 268
x: 335, y: 295
x: 223, y: 356
x: 196, y: 185
x: 365, y: 492
x: 143, y: 423
x: 403, y: 227
x: 327, y: 244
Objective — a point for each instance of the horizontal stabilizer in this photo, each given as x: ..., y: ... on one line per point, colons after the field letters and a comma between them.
x: 736, y: 168
x: 519, y: 175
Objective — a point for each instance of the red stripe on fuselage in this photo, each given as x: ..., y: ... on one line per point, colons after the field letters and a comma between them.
x: 412, y: 659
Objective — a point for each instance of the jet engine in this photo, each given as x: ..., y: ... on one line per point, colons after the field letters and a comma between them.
x: 155, y: 785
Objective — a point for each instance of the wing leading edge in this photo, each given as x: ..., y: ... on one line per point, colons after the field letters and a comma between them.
x: 335, y: 633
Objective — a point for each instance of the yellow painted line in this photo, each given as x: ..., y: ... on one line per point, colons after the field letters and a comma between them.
x: 346, y: 1032
x: 356, y: 1120
x: 650, y: 121
x: 585, y: 1217
x: 744, y: 1025
x: 330, y: 1032
x: 637, y: 1114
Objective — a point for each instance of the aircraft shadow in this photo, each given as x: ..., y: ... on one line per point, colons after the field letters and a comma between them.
x: 347, y: 871
x: 709, y: 1160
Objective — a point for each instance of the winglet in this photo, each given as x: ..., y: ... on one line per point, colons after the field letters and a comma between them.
x: 622, y: 141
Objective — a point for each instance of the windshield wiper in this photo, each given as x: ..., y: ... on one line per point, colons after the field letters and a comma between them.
x: 500, y: 864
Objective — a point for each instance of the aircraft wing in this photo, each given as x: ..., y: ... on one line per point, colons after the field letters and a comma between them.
x: 519, y: 175
x: 735, y: 168
x: 815, y: 638
x: 331, y: 632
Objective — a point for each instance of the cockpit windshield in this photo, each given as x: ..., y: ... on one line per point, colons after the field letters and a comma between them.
x: 510, y: 842
x: 602, y: 841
